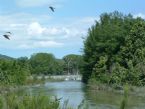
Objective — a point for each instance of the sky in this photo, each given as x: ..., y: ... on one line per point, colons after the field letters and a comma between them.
x: 35, y: 28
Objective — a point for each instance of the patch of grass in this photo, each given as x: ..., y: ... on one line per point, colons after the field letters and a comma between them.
x: 125, y: 98
x: 14, y: 101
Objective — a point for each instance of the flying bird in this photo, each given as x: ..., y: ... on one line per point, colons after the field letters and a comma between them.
x: 52, y: 8
x: 7, y: 36
x: 9, y: 32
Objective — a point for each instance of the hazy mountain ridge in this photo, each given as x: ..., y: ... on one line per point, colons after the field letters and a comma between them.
x: 5, y: 57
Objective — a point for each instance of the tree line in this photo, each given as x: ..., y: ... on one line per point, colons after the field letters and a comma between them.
x: 113, y: 53
x: 16, y: 71
x: 114, y: 50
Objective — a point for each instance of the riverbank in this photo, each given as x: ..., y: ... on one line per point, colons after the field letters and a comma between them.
x: 95, y: 86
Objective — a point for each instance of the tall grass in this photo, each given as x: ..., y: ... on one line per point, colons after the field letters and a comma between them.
x: 125, y: 98
x: 14, y: 101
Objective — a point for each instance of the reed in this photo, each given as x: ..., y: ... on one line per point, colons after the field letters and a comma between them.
x: 125, y: 98
x: 14, y: 101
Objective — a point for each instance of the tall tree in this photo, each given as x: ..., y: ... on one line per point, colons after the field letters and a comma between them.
x: 111, y: 41
x: 42, y: 63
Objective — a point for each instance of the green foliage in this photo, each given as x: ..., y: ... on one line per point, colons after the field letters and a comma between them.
x: 100, y: 69
x: 114, y: 51
x: 41, y: 63
x: 118, y: 76
x: 73, y: 64
x: 104, y: 39
x: 14, y: 101
x: 17, y: 71
x: 1, y: 103
x: 13, y: 71
x: 44, y: 63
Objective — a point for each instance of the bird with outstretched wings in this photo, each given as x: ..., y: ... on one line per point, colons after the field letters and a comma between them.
x: 52, y: 8
x: 9, y: 32
x: 7, y: 35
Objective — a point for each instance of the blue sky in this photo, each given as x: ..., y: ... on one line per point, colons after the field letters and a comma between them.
x: 36, y: 29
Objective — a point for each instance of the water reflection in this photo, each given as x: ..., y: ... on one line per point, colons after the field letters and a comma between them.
x: 76, y: 92
x: 72, y: 91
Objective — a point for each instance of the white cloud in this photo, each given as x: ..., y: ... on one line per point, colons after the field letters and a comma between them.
x: 35, y: 29
x: 20, y: 20
x: 139, y: 15
x: 40, y: 44
x: 55, y: 32
x: 30, y: 31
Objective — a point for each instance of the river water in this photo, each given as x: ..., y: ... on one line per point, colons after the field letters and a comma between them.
x: 76, y: 92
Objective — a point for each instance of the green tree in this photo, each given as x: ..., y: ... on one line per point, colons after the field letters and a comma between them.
x: 45, y: 63
x: 114, y: 49
x: 73, y: 63
x: 13, y: 72
x: 41, y: 63
x: 104, y: 39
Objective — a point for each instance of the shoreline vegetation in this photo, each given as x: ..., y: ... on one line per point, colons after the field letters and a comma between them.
x: 13, y: 100
x: 12, y: 92
x: 95, y: 86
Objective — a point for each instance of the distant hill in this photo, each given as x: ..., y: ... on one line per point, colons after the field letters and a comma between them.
x: 5, y: 57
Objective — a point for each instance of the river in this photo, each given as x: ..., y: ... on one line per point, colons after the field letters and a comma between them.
x: 76, y: 92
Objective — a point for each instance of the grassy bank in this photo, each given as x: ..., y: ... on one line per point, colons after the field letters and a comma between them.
x: 126, y: 96
x: 96, y: 85
x: 14, y: 101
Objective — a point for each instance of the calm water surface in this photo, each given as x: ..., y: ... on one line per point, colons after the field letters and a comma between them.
x: 76, y: 92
